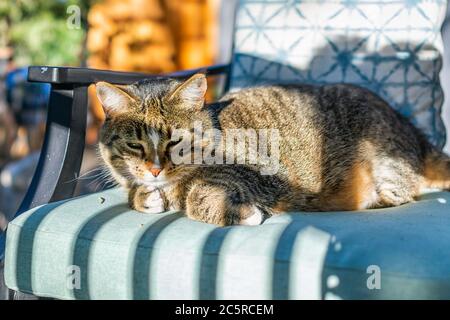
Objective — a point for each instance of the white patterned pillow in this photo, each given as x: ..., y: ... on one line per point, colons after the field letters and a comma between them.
x: 393, y: 48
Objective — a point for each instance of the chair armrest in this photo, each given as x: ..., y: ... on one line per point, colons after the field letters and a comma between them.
x: 86, y: 76
x: 59, y: 163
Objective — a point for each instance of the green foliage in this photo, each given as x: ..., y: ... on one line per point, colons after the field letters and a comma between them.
x: 38, y: 31
x: 44, y: 39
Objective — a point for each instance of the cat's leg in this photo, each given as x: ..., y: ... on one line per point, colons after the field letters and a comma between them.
x: 213, y: 204
x: 210, y: 204
x: 394, y: 192
x: 386, y: 183
x: 147, y: 200
x: 357, y: 191
x: 396, y: 183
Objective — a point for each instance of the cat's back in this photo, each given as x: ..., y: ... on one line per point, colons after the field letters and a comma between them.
x: 323, y: 107
x: 267, y: 106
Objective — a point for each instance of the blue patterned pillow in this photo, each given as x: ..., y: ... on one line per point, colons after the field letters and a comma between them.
x: 393, y: 48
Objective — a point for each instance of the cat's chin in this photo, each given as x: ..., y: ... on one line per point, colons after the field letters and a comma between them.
x: 155, y: 184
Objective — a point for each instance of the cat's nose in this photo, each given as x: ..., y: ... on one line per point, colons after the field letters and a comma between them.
x: 155, y: 171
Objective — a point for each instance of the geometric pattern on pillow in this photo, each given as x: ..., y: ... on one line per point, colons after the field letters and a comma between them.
x: 393, y: 48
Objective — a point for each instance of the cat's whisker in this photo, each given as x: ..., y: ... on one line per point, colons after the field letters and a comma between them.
x: 86, y: 175
x: 101, y: 180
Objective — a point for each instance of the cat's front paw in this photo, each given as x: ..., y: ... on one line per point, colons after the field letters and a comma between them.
x: 252, y: 216
x: 154, y: 203
x: 147, y: 201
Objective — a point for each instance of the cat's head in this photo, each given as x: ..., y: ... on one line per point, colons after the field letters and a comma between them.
x: 136, y: 139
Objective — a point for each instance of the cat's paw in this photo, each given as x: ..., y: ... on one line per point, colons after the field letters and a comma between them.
x: 253, y: 218
x: 393, y: 198
x: 148, y: 201
x: 154, y: 203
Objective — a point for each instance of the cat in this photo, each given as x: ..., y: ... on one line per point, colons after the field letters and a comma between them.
x: 340, y: 148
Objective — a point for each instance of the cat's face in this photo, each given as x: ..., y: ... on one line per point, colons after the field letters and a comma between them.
x: 136, y: 139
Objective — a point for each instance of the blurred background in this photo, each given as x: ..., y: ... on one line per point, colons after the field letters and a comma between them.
x: 151, y: 36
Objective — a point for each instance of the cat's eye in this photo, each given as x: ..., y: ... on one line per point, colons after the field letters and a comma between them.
x: 136, y: 146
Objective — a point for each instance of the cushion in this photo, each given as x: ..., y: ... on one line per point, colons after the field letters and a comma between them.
x: 96, y: 247
x: 394, y: 48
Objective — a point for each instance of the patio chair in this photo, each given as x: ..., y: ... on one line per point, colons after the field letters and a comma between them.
x: 96, y: 247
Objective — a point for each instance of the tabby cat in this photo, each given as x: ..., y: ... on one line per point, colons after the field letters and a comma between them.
x: 340, y: 147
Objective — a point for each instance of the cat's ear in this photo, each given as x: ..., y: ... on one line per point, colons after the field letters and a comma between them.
x: 114, y: 98
x: 191, y: 93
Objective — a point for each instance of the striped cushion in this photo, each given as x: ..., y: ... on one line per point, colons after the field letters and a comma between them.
x: 96, y: 247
